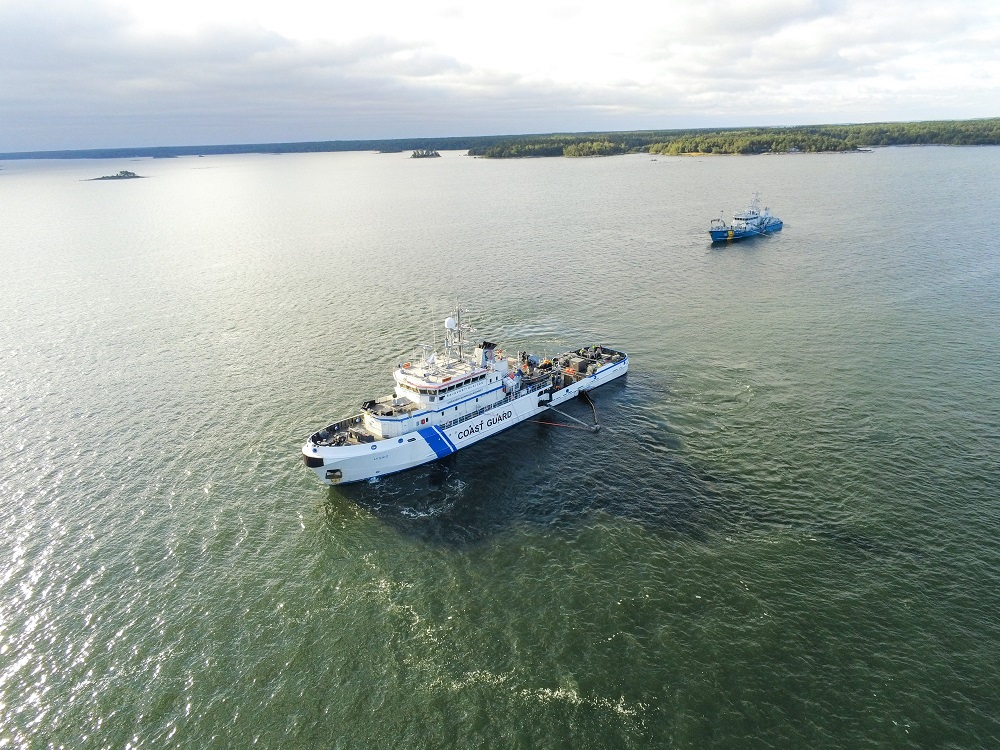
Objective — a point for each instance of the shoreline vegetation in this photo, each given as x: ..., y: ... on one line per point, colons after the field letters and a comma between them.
x: 746, y: 141
x: 123, y: 175
x: 758, y: 140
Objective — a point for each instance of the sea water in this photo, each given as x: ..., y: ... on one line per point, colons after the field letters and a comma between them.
x: 784, y: 535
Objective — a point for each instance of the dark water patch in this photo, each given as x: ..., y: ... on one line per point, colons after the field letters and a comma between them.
x: 558, y: 479
x: 546, y: 476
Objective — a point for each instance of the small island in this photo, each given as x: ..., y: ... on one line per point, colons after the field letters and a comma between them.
x: 424, y: 153
x: 123, y: 175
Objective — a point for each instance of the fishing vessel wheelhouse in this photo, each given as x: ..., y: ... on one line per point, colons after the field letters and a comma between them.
x: 442, y: 403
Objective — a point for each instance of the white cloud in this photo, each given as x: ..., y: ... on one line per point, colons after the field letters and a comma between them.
x: 94, y: 74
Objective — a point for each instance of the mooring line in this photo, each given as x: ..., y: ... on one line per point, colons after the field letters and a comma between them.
x: 569, y: 416
x: 557, y: 424
x: 586, y: 395
x: 592, y: 428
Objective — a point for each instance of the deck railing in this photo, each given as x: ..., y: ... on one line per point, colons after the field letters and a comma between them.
x: 492, y: 407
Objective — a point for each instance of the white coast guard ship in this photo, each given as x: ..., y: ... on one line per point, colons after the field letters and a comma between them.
x: 442, y: 404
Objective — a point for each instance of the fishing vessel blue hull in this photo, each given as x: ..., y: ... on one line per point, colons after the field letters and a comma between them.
x: 750, y: 222
x: 734, y: 233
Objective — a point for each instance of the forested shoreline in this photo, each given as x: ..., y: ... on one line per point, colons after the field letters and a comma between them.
x: 812, y: 138
x: 760, y: 140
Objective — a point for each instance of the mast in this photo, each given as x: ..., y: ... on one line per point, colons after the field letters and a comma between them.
x: 455, y: 334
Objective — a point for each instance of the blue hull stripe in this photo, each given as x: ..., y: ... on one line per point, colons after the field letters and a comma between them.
x: 444, y: 436
x: 437, y: 440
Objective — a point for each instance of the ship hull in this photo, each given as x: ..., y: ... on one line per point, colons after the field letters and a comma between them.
x: 355, y: 463
x: 729, y: 234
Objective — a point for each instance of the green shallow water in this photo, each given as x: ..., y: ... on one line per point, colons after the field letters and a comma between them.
x: 785, y: 535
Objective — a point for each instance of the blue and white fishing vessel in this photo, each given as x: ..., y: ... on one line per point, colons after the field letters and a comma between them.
x: 748, y: 223
x: 443, y: 402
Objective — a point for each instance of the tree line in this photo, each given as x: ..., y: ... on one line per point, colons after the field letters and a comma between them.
x: 750, y: 140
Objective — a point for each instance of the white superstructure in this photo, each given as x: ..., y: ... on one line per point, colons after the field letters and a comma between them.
x: 444, y: 402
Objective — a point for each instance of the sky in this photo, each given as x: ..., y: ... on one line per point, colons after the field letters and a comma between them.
x: 77, y: 74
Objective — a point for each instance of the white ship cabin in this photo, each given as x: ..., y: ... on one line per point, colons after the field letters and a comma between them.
x: 751, y: 214
x: 432, y: 392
